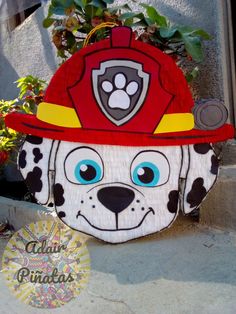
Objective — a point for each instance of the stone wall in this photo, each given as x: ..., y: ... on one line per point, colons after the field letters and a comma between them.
x: 23, y: 51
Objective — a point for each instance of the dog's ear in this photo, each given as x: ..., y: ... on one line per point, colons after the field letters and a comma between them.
x: 198, y: 175
x: 36, y: 163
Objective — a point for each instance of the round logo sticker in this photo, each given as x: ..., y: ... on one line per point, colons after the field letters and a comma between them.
x: 46, y: 264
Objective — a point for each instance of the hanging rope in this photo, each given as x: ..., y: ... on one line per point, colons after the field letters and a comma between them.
x: 95, y: 29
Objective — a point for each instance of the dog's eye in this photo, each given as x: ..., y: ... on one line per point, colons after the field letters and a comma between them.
x: 146, y: 174
x: 88, y: 171
x: 83, y: 166
x: 149, y: 169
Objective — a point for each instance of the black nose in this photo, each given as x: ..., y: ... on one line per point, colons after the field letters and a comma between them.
x: 115, y: 198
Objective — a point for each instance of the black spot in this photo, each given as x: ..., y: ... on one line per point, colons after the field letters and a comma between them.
x: 58, y: 193
x: 22, y: 160
x: 202, y: 148
x: 33, y: 180
x: 37, y: 155
x: 197, y: 193
x: 173, y: 201
x: 34, y: 139
x: 214, y: 164
x: 61, y: 214
x: 50, y: 204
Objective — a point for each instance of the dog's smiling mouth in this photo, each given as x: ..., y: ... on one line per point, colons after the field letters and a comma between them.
x: 117, y: 229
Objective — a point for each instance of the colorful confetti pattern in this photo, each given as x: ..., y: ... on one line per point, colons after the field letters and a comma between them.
x: 46, y: 264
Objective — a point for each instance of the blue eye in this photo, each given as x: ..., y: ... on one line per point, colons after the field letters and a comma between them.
x: 88, y: 171
x: 146, y: 174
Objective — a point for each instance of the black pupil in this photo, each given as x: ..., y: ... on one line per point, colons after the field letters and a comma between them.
x: 147, y: 176
x: 88, y: 172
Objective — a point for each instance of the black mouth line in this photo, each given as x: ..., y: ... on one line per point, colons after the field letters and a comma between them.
x: 123, y: 229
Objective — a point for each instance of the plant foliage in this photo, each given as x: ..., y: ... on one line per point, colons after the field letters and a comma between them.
x: 72, y: 20
x: 31, y: 92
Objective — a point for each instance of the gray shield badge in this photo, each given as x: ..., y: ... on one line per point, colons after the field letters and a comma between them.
x: 120, y: 88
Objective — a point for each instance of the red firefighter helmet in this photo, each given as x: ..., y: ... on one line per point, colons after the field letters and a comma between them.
x: 118, y: 91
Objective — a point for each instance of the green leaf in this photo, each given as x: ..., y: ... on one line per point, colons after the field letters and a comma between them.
x: 61, y: 54
x: 25, y: 107
x: 19, y: 84
x: 90, y: 11
x: 187, y: 30
x: 48, y: 22
x: 148, y: 21
x: 201, y: 33
x: 57, y: 11
x: 141, y: 23
x: 81, y: 3
x: 50, y: 9
x: 152, y: 13
x: 23, y: 91
x: 70, y: 39
x: 129, y: 22
x: 131, y: 15
x: 98, y: 4
x: 167, y: 32
x: 62, y: 3
x: 193, y: 47
x: 109, y: 1
x: 190, y: 76
x: 99, y: 12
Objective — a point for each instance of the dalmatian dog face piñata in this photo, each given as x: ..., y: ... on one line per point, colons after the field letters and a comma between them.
x: 118, y: 146
x: 117, y: 193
